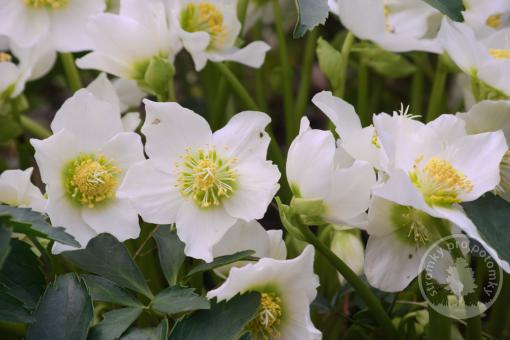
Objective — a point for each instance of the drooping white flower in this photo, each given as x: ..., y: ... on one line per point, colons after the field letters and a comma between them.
x: 32, y: 63
x: 17, y: 190
x: 82, y: 165
x: 287, y: 287
x: 208, y: 30
x: 361, y: 143
x: 347, y: 245
x: 202, y: 181
x: 316, y: 171
x: 249, y: 236
x: 487, y: 60
x: 60, y: 22
x: 395, y: 25
x: 124, y: 44
x: 487, y: 17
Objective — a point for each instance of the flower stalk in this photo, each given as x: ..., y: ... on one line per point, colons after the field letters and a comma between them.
x: 72, y: 74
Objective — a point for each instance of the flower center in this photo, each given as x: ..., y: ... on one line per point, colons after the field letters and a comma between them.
x: 4, y: 56
x: 204, y: 16
x: 267, y: 321
x: 439, y: 182
x: 54, y: 4
x: 499, y: 53
x: 414, y: 226
x: 89, y: 180
x: 494, y: 21
x: 205, y: 177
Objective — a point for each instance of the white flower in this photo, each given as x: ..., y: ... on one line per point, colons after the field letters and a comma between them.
x: 395, y: 25
x: 209, y: 29
x: 316, y: 171
x: 249, y: 236
x: 202, y: 181
x: 32, y: 63
x: 124, y: 44
x: 487, y: 60
x: 129, y: 93
x: 62, y: 22
x: 488, y: 116
x: 487, y: 17
x: 287, y: 288
x: 17, y: 190
x: 347, y: 245
x: 82, y: 165
x: 360, y: 143
x: 104, y: 89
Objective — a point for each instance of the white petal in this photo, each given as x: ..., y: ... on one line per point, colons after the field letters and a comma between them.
x: 310, y: 162
x: 257, y: 185
x: 488, y: 116
x: 365, y: 18
x: 391, y: 265
x: 252, y: 55
x: 152, y: 192
x: 103, y: 89
x: 277, y: 248
x: 244, y: 136
x: 170, y: 130
x: 22, y: 24
x: 10, y: 75
x: 18, y: 190
x: 103, y: 62
x: 131, y: 121
x: 91, y: 120
x: 124, y: 150
x: 128, y: 92
x: 380, y: 221
x: 117, y: 218
x: 200, y: 229
x: 243, y: 236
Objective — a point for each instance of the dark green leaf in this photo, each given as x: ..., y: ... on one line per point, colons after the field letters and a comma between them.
x: 329, y: 62
x: 115, y: 323
x: 107, y: 257
x: 105, y: 290
x: 452, y: 8
x: 177, y: 299
x: 171, y: 253
x: 222, y: 260
x: 64, y: 312
x: 310, y: 14
x: 491, y: 214
x: 11, y: 310
x: 223, y: 321
x: 26, y: 221
x: 384, y: 62
x: 5, y: 238
x: 21, y: 275
x: 156, y: 333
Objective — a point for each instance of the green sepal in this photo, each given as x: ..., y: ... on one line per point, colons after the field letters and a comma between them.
x: 158, y: 76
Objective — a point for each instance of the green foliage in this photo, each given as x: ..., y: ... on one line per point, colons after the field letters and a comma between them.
x: 105, y: 290
x: 329, y: 62
x: 452, y: 8
x: 491, y: 214
x: 64, y: 312
x: 158, y: 76
x: 222, y: 260
x: 115, y: 323
x: 5, y: 238
x: 156, y: 333
x: 107, y: 257
x: 225, y: 320
x: 170, y: 252
x: 310, y: 14
x: 29, y: 222
x: 178, y: 299
x: 386, y: 63
x: 9, y: 128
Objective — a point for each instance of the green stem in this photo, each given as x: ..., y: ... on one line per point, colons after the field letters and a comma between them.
x: 366, y: 294
x: 362, y: 105
x: 260, y: 87
x: 439, y: 325
x: 44, y: 255
x: 140, y: 248
x: 438, y: 88
x: 417, y: 88
x: 499, y: 311
x: 34, y: 128
x: 242, y: 8
x: 344, y: 64
x: 171, y: 91
x: 291, y: 125
x: 474, y: 328
x: 220, y: 102
x: 306, y: 74
x: 73, y: 77
x: 475, y: 88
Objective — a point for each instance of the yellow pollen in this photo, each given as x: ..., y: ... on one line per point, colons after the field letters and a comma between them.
x: 268, y: 319
x: 439, y: 182
x: 5, y: 57
x: 375, y: 140
x: 389, y: 27
x: 494, y: 21
x: 499, y: 53
x: 205, y: 177
x: 53, y: 4
x: 205, y: 16
x: 90, y: 181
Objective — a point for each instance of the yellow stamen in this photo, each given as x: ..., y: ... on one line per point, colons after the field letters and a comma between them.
x: 499, y: 53
x: 268, y: 319
x: 389, y: 27
x: 439, y: 181
x: 494, y: 21
x: 375, y: 140
x: 5, y: 57
x: 54, y: 4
